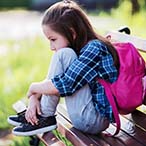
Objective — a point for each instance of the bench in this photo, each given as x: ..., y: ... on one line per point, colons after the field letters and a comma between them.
x: 133, y: 126
x: 132, y: 133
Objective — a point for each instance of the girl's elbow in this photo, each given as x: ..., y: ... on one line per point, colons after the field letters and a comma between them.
x: 56, y: 92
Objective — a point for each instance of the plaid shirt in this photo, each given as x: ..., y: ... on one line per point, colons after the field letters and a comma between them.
x: 94, y: 61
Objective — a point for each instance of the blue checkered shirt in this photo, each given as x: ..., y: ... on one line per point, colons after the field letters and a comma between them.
x: 94, y: 61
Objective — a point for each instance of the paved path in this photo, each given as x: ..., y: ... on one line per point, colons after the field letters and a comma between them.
x: 20, y: 24
x: 24, y: 24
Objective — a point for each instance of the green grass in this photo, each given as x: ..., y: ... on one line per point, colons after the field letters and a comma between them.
x: 122, y: 16
x: 24, y: 62
x: 23, y: 141
x: 62, y: 138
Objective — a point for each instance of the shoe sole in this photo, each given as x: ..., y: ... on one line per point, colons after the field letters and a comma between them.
x: 13, y: 122
x: 34, y: 132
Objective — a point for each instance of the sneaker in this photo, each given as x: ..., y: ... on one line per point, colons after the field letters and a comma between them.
x: 18, y: 119
x: 45, y: 124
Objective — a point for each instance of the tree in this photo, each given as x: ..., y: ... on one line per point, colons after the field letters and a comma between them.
x: 135, y: 6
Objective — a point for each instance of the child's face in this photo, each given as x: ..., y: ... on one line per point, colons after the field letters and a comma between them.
x: 57, y: 41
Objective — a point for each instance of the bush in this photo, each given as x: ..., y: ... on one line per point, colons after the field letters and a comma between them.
x: 14, y: 3
x: 99, y: 4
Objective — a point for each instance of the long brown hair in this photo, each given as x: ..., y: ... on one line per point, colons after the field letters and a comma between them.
x: 67, y: 18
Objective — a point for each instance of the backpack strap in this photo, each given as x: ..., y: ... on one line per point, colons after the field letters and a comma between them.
x: 112, y: 103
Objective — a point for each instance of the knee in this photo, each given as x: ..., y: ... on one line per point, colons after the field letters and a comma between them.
x: 67, y: 51
x: 66, y: 56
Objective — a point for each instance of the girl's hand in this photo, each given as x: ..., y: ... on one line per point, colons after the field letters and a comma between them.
x: 33, y: 109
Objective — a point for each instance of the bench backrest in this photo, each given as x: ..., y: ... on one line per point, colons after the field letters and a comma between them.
x: 122, y: 37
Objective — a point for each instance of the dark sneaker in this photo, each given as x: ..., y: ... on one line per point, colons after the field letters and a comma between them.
x: 18, y: 119
x: 45, y: 124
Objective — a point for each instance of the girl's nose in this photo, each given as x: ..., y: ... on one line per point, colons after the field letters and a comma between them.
x: 52, y: 47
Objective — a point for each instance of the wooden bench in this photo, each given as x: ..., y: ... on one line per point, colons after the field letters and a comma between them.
x: 133, y: 126
x: 132, y: 133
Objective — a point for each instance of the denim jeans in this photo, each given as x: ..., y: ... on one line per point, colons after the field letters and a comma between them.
x: 80, y: 106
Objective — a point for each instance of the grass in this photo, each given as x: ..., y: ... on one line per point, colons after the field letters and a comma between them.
x: 62, y: 138
x: 24, y: 62
x: 123, y: 15
x: 23, y: 141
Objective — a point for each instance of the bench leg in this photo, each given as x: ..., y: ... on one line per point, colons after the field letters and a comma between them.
x: 34, y: 141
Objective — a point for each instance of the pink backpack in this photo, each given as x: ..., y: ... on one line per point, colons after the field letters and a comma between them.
x: 126, y: 93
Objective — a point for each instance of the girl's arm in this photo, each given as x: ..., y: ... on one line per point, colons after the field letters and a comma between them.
x: 44, y: 87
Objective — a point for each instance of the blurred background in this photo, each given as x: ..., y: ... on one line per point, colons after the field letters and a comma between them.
x: 25, y: 54
x: 43, y: 4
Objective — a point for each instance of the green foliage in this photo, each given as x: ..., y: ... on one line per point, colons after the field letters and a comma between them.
x: 23, y: 62
x: 22, y: 141
x: 123, y: 12
x: 122, y: 17
x: 62, y: 138
x: 14, y: 3
x: 136, y: 22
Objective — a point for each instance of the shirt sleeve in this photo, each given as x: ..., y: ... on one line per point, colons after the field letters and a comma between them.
x: 82, y: 71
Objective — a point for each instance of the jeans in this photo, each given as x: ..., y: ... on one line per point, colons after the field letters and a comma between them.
x: 80, y: 106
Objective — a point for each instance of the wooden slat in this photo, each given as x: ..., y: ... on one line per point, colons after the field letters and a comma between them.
x: 49, y: 139
x: 137, y: 133
x: 123, y: 138
x: 73, y: 135
x: 83, y: 136
x: 98, y: 139
x: 138, y: 118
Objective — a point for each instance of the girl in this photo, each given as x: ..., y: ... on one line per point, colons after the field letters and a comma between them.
x: 81, y: 56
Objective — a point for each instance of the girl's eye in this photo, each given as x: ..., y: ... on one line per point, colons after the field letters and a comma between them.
x: 53, y: 40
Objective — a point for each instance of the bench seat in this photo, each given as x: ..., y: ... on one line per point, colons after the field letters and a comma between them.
x: 136, y: 137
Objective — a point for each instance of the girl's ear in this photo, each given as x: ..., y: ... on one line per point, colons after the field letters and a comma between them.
x: 73, y: 33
